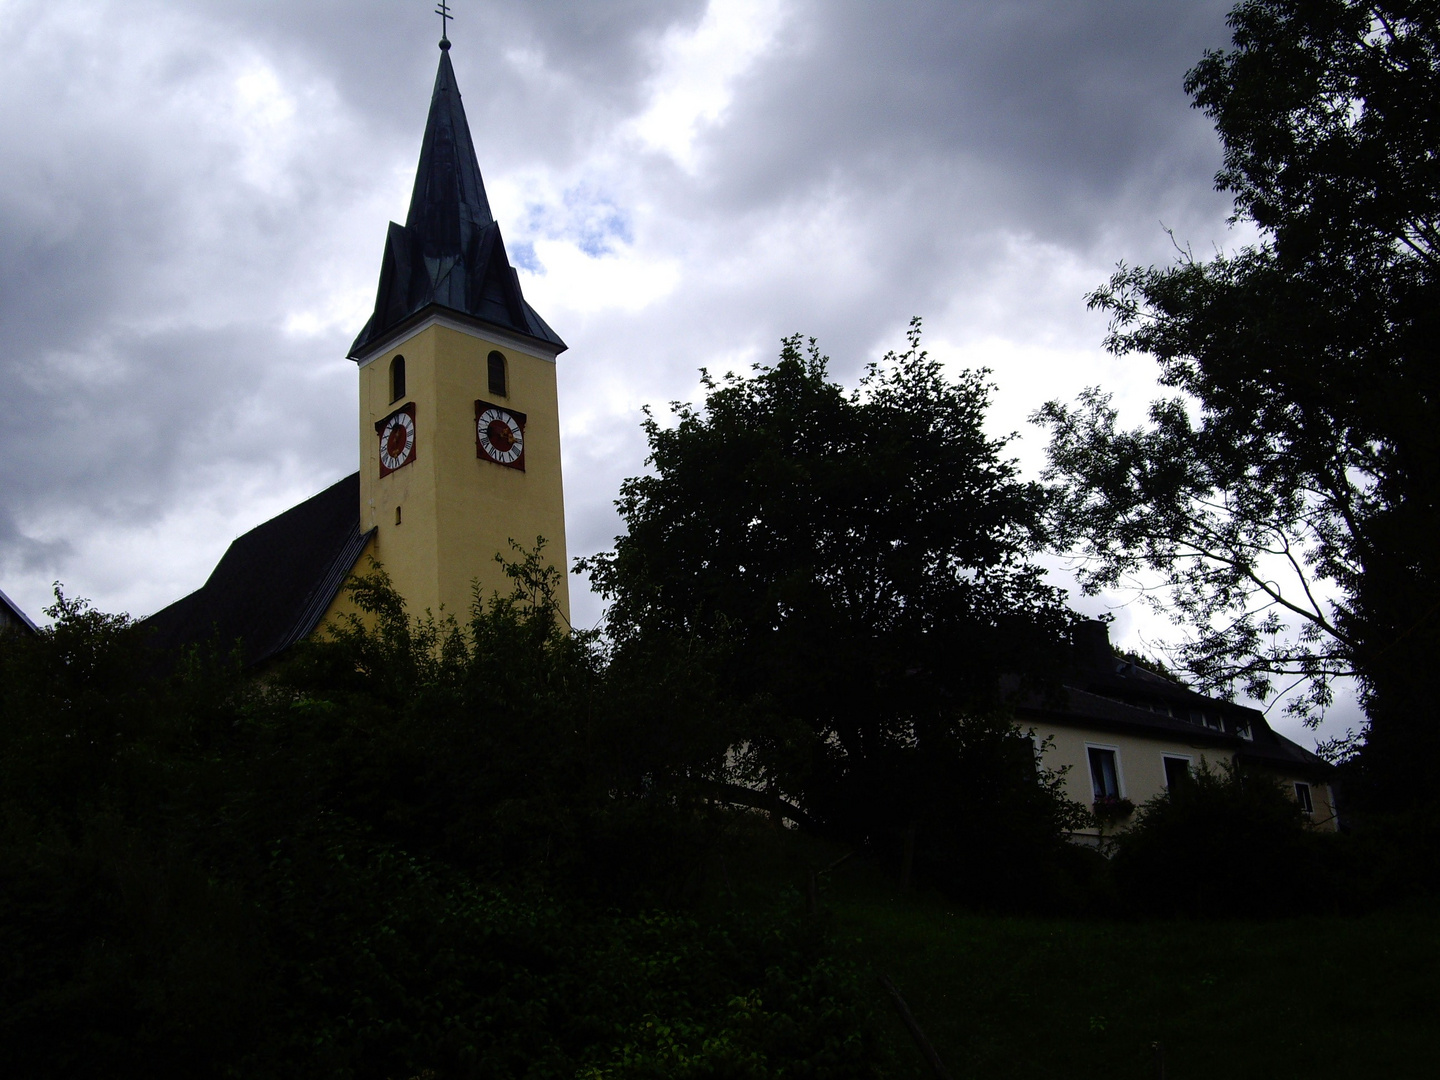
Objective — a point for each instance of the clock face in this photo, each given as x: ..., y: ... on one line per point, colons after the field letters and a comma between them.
x: 500, y: 435
x: 397, y: 439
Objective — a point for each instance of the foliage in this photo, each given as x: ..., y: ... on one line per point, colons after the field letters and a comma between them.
x: 1287, y: 495
x: 1147, y: 663
x: 853, y: 570
x: 1088, y: 999
x: 422, y: 848
x: 1229, y: 842
x: 1110, y: 808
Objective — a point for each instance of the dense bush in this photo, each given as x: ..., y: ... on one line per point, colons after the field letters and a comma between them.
x: 988, y: 827
x: 418, y: 847
x: 1229, y: 842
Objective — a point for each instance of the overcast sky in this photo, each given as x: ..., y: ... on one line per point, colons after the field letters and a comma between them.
x: 193, y: 202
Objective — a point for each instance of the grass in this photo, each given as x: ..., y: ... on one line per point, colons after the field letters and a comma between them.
x: 1003, y: 997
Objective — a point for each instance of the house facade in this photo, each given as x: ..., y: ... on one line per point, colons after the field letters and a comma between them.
x: 1123, y: 734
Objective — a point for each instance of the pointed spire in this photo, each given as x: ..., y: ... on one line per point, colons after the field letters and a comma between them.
x: 448, y: 188
x: 449, y: 252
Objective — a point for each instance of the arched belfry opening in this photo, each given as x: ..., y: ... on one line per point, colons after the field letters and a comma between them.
x: 496, y: 363
x: 397, y: 378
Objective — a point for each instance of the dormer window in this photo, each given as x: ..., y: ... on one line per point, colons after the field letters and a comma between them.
x: 496, y: 364
x: 1207, y: 719
x: 397, y: 378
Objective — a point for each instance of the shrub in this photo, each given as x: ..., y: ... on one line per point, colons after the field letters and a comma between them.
x: 1228, y: 843
x: 360, y: 866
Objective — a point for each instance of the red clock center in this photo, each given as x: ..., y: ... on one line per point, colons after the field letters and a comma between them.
x: 500, y: 437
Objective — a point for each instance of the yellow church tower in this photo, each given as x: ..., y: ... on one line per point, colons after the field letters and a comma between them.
x: 459, y: 418
x: 459, y: 434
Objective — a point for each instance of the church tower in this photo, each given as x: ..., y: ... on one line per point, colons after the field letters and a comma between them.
x: 459, y: 419
x: 459, y: 434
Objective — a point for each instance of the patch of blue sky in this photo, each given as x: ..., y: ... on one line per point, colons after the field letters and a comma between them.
x: 588, y: 218
x: 522, y: 254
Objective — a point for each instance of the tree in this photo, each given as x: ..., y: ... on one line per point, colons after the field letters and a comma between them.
x: 1286, y: 495
x: 856, y: 565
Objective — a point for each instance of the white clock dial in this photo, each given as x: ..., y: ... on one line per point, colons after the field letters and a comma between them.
x: 397, y: 441
x: 500, y: 436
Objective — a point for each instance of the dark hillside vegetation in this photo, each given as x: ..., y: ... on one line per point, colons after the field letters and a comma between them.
x: 492, y: 850
x: 418, y: 849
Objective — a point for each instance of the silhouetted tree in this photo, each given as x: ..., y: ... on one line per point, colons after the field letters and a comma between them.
x: 1287, y: 495
x: 855, y: 566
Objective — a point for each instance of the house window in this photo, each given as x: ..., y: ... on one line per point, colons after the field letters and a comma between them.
x: 1177, y: 772
x: 1104, y: 773
x: 397, y: 378
x: 1302, y: 796
x: 497, y: 374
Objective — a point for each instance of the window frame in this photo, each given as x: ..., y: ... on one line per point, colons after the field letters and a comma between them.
x: 504, y: 389
x: 1119, y: 772
x: 1307, y: 800
x: 1167, y: 755
x: 397, y: 386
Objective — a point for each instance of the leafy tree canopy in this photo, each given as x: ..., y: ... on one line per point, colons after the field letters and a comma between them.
x: 856, y: 562
x: 1287, y: 494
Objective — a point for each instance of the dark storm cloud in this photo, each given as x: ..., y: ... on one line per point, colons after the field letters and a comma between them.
x: 599, y: 55
x: 193, y: 199
x: 1059, y: 120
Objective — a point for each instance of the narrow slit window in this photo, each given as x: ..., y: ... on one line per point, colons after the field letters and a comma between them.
x: 397, y: 378
x: 497, y: 374
x: 397, y: 515
x: 1302, y: 796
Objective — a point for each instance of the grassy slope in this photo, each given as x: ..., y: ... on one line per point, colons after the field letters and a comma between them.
x: 1027, y: 997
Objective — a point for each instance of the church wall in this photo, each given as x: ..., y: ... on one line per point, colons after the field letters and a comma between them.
x: 493, y: 504
x: 343, y: 605
x: 457, y: 510
x: 408, y: 551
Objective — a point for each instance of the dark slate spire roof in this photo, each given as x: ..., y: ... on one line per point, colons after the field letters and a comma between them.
x: 11, y: 617
x: 275, y: 583
x: 448, y: 188
x: 449, y: 253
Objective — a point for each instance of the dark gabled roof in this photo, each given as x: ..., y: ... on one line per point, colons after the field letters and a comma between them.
x: 275, y: 583
x: 11, y: 617
x: 449, y: 254
x: 1105, y: 692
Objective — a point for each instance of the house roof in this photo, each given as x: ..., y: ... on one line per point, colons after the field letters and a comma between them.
x: 11, y: 615
x: 275, y: 583
x: 449, y: 255
x: 1104, y: 692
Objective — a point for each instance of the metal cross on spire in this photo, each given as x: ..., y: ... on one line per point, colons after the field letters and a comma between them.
x: 443, y: 10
